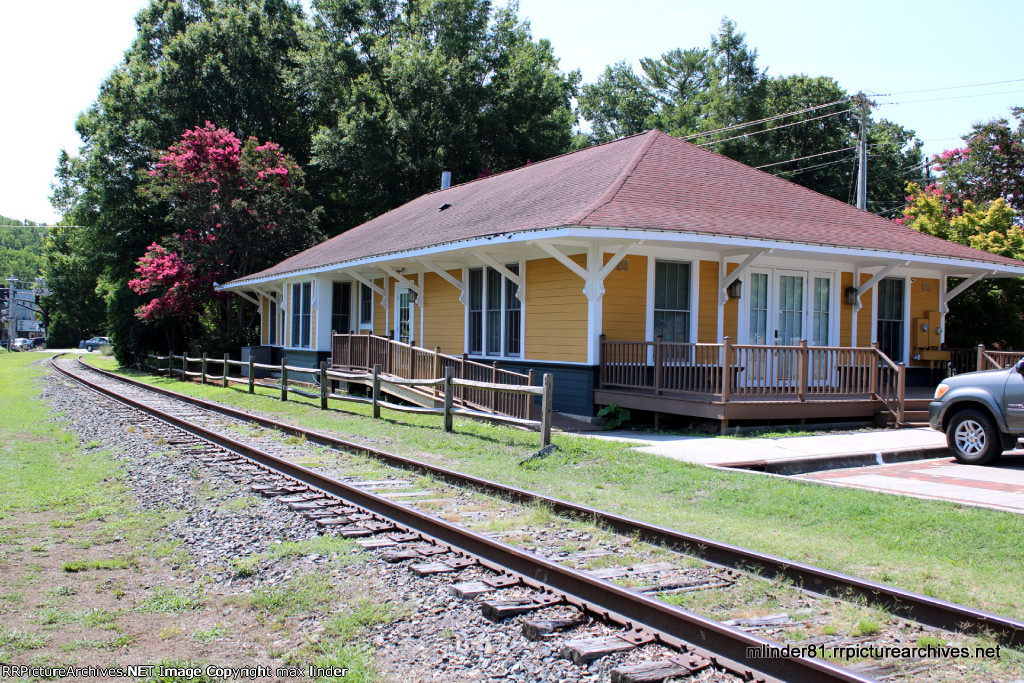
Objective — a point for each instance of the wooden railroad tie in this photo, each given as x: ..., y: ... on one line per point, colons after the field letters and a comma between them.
x: 678, y: 666
x: 496, y: 610
x: 544, y: 629
x: 585, y: 650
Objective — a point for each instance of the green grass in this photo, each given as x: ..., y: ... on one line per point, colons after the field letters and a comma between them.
x: 165, y: 599
x: 44, y: 469
x: 926, y: 546
x: 105, y: 563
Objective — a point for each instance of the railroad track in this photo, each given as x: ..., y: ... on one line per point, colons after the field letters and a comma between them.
x: 534, y: 583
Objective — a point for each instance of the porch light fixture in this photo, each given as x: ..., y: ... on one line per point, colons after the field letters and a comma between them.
x: 851, y: 296
x: 735, y: 288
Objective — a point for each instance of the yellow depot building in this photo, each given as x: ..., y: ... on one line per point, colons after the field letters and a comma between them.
x: 645, y: 272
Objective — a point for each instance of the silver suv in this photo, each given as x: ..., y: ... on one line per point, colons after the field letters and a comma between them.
x: 982, y: 413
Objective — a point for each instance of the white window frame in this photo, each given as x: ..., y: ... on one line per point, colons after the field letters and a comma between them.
x: 743, y: 324
x: 652, y: 264
x: 503, y: 353
x: 360, y: 325
x: 399, y: 290
x: 297, y: 315
x: 907, y: 286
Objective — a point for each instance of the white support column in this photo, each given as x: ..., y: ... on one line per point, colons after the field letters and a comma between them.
x: 943, y: 309
x: 856, y: 308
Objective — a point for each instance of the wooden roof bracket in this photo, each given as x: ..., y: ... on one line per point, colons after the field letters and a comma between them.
x: 950, y: 295
x: 724, y: 280
x: 595, y: 273
x: 374, y: 288
x: 506, y: 273
x: 875, y: 279
x: 447, y: 277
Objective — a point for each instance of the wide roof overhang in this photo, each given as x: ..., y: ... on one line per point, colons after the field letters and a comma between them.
x: 714, y: 245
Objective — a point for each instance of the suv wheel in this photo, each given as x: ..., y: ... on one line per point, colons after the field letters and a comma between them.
x: 973, y: 438
x: 88, y: 348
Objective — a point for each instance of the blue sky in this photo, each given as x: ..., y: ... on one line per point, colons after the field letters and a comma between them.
x: 57, y: 52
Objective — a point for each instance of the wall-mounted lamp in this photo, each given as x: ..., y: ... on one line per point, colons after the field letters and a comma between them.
x: 851, y: 296
x: 413, y: 296
x: 735, y: 289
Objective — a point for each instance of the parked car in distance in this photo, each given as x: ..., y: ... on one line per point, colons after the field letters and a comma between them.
x: 21, y: 344
x: 982, y: 413
x: 96, y: 342
x: 39, y: 343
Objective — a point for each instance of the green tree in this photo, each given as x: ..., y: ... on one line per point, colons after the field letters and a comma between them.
x: 989, y: 312
x: 693, y: 93
x: 74, y: 309
x: 193, y: 61
x: 21, y: 249
x: 405, y: 89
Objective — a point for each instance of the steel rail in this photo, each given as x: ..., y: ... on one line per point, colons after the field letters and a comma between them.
x: 727, y: 646
x: 920, y: 608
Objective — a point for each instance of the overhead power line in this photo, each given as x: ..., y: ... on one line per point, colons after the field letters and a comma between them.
x: 809, y: 156
x: 765, y: 120
x: 951, y: 87
x: 955, y: 97
x: 769, y: 130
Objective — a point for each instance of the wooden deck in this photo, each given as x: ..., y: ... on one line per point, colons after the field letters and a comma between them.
x: 729, y: 382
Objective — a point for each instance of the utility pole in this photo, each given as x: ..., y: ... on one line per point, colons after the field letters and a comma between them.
x: 10, y: 312
x: 862, y: 154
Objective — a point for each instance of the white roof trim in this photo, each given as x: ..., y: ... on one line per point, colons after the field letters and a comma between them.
x: 969, y: 266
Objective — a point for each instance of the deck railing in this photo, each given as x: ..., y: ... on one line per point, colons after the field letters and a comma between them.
x: 362, y: 351
x: 730, y: 371
x: 989, y: 359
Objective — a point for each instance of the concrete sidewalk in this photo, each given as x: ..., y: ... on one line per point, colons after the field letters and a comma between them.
x: 898, y: 444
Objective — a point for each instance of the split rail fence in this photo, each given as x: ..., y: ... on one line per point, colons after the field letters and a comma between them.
x: 445, y: 387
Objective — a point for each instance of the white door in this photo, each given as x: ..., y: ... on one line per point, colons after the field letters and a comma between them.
x: 405, y: 315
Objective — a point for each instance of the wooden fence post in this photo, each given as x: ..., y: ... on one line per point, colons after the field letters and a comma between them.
x: 726, y: 369
x: 203, y: 380
x: 224, y: 380
x: 901, y: 392
x: 449, y: 399
x: 184, y: 365
x: 657, y: 364
x: 873, y: 377
x: 170, y: 364
x: 437, y: 365
x: 545, y: 417
x: 284, y: 379
x: 802, y: 369
x: 531, y: 414
x: 981, y: 357
x: 252, y: 374
x: 324, y: 385
x: 376, y: 390
x: 602, y: 370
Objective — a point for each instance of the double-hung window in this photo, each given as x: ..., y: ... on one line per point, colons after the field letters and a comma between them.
x: 302, y: 304
x: 495, y: 313
x: 672, y: 301
x: 365, y: 306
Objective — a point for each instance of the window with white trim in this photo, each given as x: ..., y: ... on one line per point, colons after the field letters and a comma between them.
x: 302, y: 305
x: 272, y: 316
x: 495, y: 313
x: 365, y: 306
x: 672, y: 301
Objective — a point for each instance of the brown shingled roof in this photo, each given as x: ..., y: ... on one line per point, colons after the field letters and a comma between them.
x: 650, y: 181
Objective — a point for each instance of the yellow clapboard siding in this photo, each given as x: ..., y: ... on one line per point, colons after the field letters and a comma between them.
x: 556, y: 312
x: 380, y: 321
x: 864, y: 315
x: 845, y: 312
x: 444, y: 316
x: 924, y: 298
x: 707, y: 306
x: 625, y: 296
x: 732, y: 311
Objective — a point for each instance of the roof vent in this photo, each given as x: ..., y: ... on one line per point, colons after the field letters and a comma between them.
x: 445, y: 206
x: 446, y: 178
